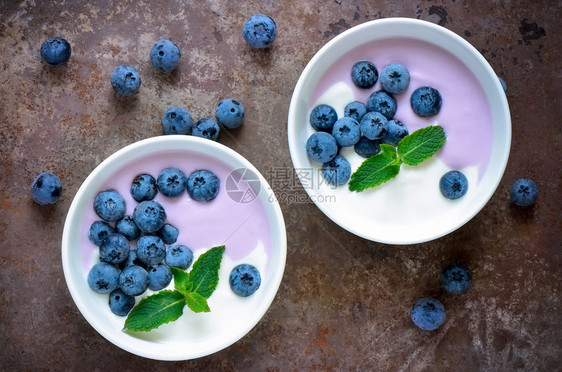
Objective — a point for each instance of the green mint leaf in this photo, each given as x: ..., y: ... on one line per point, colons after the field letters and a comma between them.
x: 181, y: 281
x: 205, y: 273
x: 197, y: 303
x: 388, y: 150
x: 421, y: 145
x: 153, y: 311
x: 375, y: 170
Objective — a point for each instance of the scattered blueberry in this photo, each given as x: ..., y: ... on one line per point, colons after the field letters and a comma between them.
x: 46, y: 189
x: 132, y: 260
x: 168, y: 234
x: 259, y: 31
x: 114, y: 249
x: 244, y: 280
x: 396, y: 131
x: 120, y: 303
x: 502, y: 82
x: 125, y: 80
x: 321, y: 147
x: 374, y: 125
x: 426, y: 101
x: 103, y: 277
x: 149, y: 216
x: 133, y: 280
x: 230, y: 113
x: 364, y: 74
x: 165, y: 55
x: 177, y: 120
x: 381, y: 101
x: 109, y: 205
x: 355, y: 110
x: 159, y: 277
x: 179, y: 256
x: 144, y: 187
x: 127, y: 227
x: 395, y: 78
x: 151, y: 250
x: 203, y: 185
x: 524, y: 192
x: 171, y: 182
x: 56, y: 51
x: 453, y: 184
x: 456, y: 278
x: 99, y: 230
x: 428, y: 314
x: 323, y: 117
x: 346, y: 131
x: 206, y: 128
x: 337, y: 172
x: 367, y: 148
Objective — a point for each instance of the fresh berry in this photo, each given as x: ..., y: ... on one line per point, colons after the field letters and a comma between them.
x: 321, y: 147
x: 132, y: 260
x: 149, y: 216
x: 395, y: 78
x: 456, y: 278
x: 133, y: 280
x: 127, y: 227
x: 165, y: 55
x: 502, y: 82
x: 206, y: 128
x: 179, y: 256
x: 355, y: 110
x: 346, y: 131
x: 259, y: 31
x: 168, y: 234
x: 364, y: 74
x: 428, y: 314
x: 426, y: 101
x: 453, y: 184
x: 114, y: 249
x: 125, y: 80
x: 374, y: 125
x: 323, y: 117
x: 177, y: 120
x: 396, y: 131
x: 151, y: 250
x: 171, y: 182
x: 46, y: 189
x: 244, y: 280
x: 367, y: 148
x: 381, y: 101
x: 524, y: 192
x: 103, y: 277
x: 109, y: 205
x: 144, y: 187
x: 203, y: 185
x: 159, y: 277
x: 56, y: 51
x: 99, y: 230
x: 337, y: 171
x: 120, y: 303
x: 230, y: 113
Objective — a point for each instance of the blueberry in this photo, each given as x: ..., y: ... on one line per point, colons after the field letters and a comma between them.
x: 230, y: 113
x: 395, y: 78
x: 168, y: 234
x: 103, y: 277
x: 502, y: 82
x: 120, y: 303
x: 364, y: 74
x: 367, y: 148
x: 127, y: 227
x: 100, y: 230
x: 323, y: 117
x: 125, y: 80
x: 453, y: 184
x: 355, y: 110
x: 337, y: 171
x: 151, y: 250
x: 133, y: 280
x: 149, y: 216
x: 321, y: 147
x: 206, y: 128
x: 46, y: 189
x: 177, y: 120
x: 428, y: 314
x: 56, y: 51
x: 114, y: 249
x: 109, y: 205
x: 165, y: 55
x: 179, y: 256
x: 524, y: 192
x: 346, y: 131
x: 456, y: 278
x: 426, y: 101
x: 381, y: 101
x: 244, y: 280
x: 132, y: 260
x: 171, y: 182
x: 203, y: 185
x: 396, y: 131
x: 159, y: 277
x: 374, y: 125
x: 143, y: 187
x: 259, y: 31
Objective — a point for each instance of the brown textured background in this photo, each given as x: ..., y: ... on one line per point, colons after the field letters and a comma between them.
x: 344, y: 302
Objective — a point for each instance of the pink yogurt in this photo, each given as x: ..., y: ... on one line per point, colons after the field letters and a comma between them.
x: 465, y: 113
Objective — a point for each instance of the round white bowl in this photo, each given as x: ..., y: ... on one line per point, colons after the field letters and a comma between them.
x: 341, y: 205
x: 94, y: 307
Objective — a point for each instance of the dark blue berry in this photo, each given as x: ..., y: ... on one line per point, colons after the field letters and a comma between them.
x: 355, y: 110
x: 120, y: 303
x: 230, y: 113
x: 127, y: 227
x: 456, y: 278
x: 151, y: 250
x: 259, y: 31
x: 168, y: 234
x: 374, y: 125
x: 367, y: 148
x: 395, y: 78
x: 244, y: 280
x: 179, y: 256
x: 165, y: 55
x: 109, y: 205
x: 114, y: 249
x: 171, y: 182
x: 381, y: 101
x: 133, y: 280
x: 524, y: 192
x: 125, y: 80
x: 159, y: 277
x: 396, y: 131
x: 103, y: 277
x: 144, y: 187
x: 321, y: 147
x: 364, y: 74
x: 46, y: 189
x: 56, y: 51
x: 203, y: 185
x: 346, y: 131
x: 337, y: 171
x: 206, y: 128
x: 323, y: 117
x: 149, y: 216
x: 132, y: 260
x: 426, y: 101
x: 177, y: 120
x: 100, y: 230
x: 428, y: 314
x: 453, y: 184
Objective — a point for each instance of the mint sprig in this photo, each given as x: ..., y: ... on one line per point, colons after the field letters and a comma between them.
x: 412, y: 150
x: 191, y: 289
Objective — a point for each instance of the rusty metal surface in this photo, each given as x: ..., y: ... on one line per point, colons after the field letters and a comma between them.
x: 344, y: 302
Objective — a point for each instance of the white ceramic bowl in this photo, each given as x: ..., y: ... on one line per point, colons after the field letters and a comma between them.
x: 370, y: 214
x: 231, y: 317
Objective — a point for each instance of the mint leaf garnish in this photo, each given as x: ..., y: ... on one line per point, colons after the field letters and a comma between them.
x: 205, y: 273
x: 197, y: 303
x: 388, y: 150
x: 153, y: 311
x: 375, y: 170
x: 181, y: 281
x: 421, y: 145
